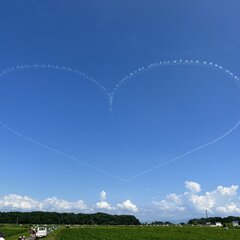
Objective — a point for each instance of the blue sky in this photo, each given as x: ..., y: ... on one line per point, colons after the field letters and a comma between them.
x: 157, y: 115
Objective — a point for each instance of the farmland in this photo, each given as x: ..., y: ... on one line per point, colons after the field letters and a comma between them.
x: 146, y: 233
x: 12, y: 232
x: 129, y: 233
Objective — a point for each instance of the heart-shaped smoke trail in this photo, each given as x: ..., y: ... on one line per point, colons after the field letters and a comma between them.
x: 111, y: 95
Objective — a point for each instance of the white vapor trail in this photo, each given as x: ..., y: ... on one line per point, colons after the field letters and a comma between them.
x: 111, y: 94
x: 157, y: 65
x: 53, y: 67
x: 113, y: 175
x: 14, y: 132
x: 187, y: 153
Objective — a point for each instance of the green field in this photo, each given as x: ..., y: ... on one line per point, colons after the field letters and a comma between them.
x: 146, y: 233
x: 130, y: 233
x: 13, y: 232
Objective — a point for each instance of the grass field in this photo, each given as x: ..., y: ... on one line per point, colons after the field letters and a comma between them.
x: 13, y: 232
x: 130, y: 233
x: 147, y: 233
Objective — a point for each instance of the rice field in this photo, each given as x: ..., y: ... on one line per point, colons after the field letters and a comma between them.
x: 147, y: 233
x: 12, y: 232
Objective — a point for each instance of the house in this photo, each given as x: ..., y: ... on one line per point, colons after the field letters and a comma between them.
x: 235, y: 223
x: 218, y: 224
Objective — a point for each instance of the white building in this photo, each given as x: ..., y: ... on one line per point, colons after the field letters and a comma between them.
x: 235, y: 223
x: 218, y: 224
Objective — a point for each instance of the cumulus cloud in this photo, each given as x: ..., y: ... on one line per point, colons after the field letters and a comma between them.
x: 17, y: 202
x: 103, y: 195
x: 24, y: 203
x: 14, y: 202
x: 128, y: 206
x: 55, y: 204
x: 193, y: 186
x: 228, y: 191
x: 221, y: 201
x: 103, y: 204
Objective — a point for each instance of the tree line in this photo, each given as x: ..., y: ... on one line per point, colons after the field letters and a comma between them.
x: 213, y: 220
x: 39, y: 217
x: 161, y: 223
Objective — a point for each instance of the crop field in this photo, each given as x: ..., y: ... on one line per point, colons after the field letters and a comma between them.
x: 12, y: 232
x: 147, y: 233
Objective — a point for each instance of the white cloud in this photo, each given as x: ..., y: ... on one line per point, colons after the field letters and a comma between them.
x: 104, y: 206
x: 14, y: 202
x: 229, y: 208
x: 25, y: 203
x: 193, y: 186
x: 228, y: 191
x: 55, y: 204
x: 128, y: 206
x: 103, y: 195
x: 222, y: 201
x: 171, y: 206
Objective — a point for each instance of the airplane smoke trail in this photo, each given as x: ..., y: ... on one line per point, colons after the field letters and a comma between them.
x: 126, y: 78
x: 175, y: 62
x: 14, y: 132
x: 187, y: 153
x: 54, y: 67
